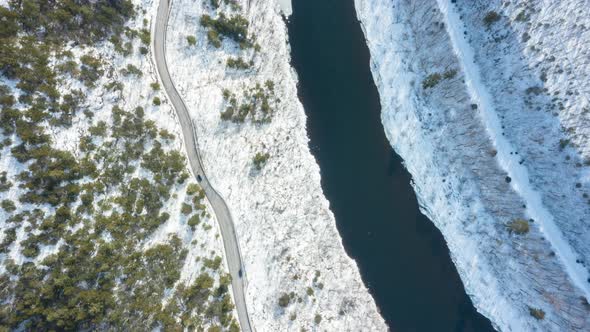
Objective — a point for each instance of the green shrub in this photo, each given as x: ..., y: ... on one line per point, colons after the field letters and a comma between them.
x: 114, y: 86
x: 213, y: 37
x: 431, y: 80
x: 166, y: 135
x: 131, y: 70
x: 317, y: 319
x: 186, y: 209
x: 518, y: 226
x: 157, y: 101
x: 539, y: 314
x: 563, y: 143
x: 192, y: 40
x: 238, y: 63
x: 284, y: 300
x: 194, y: 221
x: 5, y: 184
x: 144, y: 36
x: 192, y: 189
x: 155, y: 86
x: 8, y: 205
x: 9, y: 238
x: 90, y: 69
x: 212, y: 264
x: 491, y: 18
x: 256, y: 103
x: 99, y: 129
x: 234, y: 27
x: 522, y: 16
x: 260, y: 160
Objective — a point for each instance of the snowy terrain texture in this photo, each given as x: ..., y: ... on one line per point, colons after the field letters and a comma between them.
x: 286, y: 232
x: 487, y: 103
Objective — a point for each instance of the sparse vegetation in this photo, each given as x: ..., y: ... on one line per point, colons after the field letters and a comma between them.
x: 256, y: 102
x: 449, y: 74
x: 238, y: 63
x: 131, y: 70
x: 234, y: 28
x: 434, y: 79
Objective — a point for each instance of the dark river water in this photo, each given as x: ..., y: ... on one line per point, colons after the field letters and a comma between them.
x: 402, y: 257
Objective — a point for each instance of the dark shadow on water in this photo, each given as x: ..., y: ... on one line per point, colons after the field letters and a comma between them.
x: 401, y: 255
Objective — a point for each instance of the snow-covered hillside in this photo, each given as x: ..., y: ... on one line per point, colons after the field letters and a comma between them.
x: 287, y: 234
x: 487, y: 102
x: 133, y: 236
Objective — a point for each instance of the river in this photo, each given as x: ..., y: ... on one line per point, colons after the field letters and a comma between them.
x: 402, y: 257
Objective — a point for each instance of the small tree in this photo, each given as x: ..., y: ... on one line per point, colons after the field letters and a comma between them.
x: 518, y: 226
x: 192, y: 40
x: 192, y: 189
x: 491, y: 18
x: 318, y: 318
x: 260, y: 159
x: 284, y: 300
x: 194, y: 221
x: 539, y: 314
x: 8, y: 205
x: 186, y: 209
x: 157, y: 101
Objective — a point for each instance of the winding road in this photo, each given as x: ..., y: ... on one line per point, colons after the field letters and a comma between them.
x: 226, y: 225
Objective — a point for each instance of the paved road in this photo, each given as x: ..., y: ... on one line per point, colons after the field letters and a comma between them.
x: 228, y: 233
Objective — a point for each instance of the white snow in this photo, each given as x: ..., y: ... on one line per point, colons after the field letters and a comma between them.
x: 286, y: 7
x: 283, y: 221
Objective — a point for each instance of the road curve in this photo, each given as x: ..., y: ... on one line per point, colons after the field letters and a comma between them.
x: 226, y: 225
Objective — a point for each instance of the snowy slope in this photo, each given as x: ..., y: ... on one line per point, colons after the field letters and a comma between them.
x: 204, y: 241
x: 486, y: 144
x: 286, y: 231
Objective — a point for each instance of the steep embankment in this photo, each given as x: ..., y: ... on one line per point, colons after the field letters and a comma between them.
x: 471, y: 101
